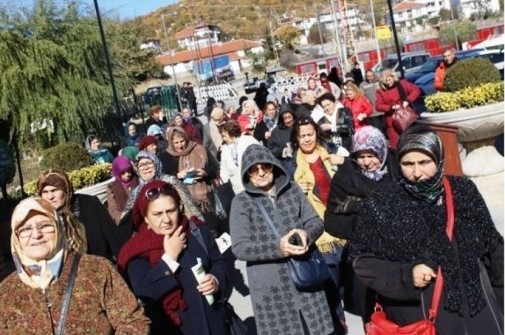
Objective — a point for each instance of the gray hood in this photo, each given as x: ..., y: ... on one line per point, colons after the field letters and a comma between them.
x: 255, y: 154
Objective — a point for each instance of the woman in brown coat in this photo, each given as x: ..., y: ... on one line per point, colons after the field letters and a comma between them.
x: 31, y: 298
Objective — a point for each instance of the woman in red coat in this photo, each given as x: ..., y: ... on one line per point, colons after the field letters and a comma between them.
x: 391, y: 95
x: 359, y: 105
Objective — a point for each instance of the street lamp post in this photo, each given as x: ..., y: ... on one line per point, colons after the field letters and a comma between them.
x: 171, y: 60
x: 454, y: 26
x: 107, y: 59
x: 395, y: 35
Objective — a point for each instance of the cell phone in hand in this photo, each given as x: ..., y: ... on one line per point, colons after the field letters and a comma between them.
x: 191, y: 174
x: 295, y: 239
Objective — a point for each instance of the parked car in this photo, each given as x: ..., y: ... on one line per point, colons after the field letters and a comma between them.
x: 425, y: 82
x: 411, y: 61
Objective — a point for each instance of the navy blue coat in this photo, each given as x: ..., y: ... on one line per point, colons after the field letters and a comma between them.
x: 151, y: 284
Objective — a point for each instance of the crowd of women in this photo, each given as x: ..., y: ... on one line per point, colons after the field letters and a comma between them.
x: 326, y: 170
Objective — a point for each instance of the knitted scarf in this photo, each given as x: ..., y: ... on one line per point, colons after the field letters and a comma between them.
x: 149, y: 245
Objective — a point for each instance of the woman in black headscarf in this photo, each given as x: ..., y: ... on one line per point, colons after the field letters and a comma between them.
x: 400, y: 241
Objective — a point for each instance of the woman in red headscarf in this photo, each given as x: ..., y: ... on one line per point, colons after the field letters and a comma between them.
x: 159, y: 264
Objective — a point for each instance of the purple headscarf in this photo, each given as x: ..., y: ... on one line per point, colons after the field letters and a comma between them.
x: 121, y: 164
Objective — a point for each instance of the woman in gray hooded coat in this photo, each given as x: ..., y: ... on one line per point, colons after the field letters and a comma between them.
x: 279, y: 308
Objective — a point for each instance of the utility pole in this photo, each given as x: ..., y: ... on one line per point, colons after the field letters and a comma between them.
x: 171, y: 60
x: 375, y: 33
x: 320, y: 34
x: 395, y: 35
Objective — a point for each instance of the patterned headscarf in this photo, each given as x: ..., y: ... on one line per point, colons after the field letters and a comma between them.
x: 157, y: 175
x: 371, y: 138
x: 120, y: 165
x: 75, y: 231
x: 428, y: 142
x: 36, y: 273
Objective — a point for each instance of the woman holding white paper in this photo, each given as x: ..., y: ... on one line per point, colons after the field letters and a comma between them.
x: 174, y: 266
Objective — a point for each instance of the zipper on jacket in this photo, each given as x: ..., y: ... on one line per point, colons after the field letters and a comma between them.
x: 49, y: 306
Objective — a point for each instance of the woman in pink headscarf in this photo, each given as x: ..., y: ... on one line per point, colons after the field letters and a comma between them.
x: 119, y: 190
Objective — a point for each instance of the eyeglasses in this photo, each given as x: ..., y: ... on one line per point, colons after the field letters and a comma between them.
x: 154, y: 193
x: 255, y: 169
x: 145, y: 165
x: 45, y: 227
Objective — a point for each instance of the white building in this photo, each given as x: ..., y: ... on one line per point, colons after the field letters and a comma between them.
x: 203, y: 34
x: 469, y: 7
x: 351, y: 14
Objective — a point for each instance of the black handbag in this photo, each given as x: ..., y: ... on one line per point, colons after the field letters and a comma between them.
x: 308, y: 271
x: 223, y: 196
x: 235, y: 324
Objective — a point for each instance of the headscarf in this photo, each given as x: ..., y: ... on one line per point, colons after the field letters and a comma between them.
x: 36, y: 274
x: 147, y: 141
x: 130, y: 152
x: 424, y: 140
x: 189, y: 143
x: 75, y: 232
x: 371, y: 138
x: 154, y: 130
x: 92, y: 152
x: 149, y: 245
x: 131, y: 140
x: 157, y: 175
x: 120, y: 165
x: 215, y: 134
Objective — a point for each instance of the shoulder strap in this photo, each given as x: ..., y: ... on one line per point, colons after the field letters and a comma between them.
x: 449, y: 231
x: 195, y: 230
x: 68, y: 295
x: 267, y: 217
x: 401, y: 91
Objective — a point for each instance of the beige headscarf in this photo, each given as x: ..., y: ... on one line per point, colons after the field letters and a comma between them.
x: 26, y: 209
x: 75, y: 232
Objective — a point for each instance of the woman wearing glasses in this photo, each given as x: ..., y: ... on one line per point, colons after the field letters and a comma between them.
x: 279, y: 308
x: 162, y: 260
x: 314, y: 170
x: 31, y: 298
x: 149, y: 168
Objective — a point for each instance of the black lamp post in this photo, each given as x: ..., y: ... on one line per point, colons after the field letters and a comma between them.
x: 109, y: 66
x: 395, y: 35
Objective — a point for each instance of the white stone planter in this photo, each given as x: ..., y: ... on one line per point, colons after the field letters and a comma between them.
x: 479, y: 124
x: 99, y: 190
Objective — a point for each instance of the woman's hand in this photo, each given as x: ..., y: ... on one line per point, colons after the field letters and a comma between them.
x: 267, y: 134
x: 305, y: 187
x: 361, y: 116
x: 422, y: 275
x: 405, y: 104
x: 173, y: 245
x: 200, y: 174
x: 208, y: 285
x: 336, y: 159
x: 288, y: 249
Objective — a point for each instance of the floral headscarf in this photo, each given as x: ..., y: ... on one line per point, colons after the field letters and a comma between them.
x: 371, y: 138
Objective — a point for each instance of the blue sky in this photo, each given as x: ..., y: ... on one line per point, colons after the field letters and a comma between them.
x: 124, y: 8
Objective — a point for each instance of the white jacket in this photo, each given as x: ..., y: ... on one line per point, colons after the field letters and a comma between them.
x: 228, y: 169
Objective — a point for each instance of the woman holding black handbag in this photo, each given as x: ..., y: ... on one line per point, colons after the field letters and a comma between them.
x: 402, y: 239
x: 279, y: 307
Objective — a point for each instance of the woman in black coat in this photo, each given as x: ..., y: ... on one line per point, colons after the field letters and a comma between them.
x: 279, y: 141
x: 360, y: 175
x: 400, y: 242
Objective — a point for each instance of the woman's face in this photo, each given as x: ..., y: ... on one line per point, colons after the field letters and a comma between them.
x: 307, y: 139
x: 247, y: 108
x: 152, y: 148
x: 417, y: 166
x: 261, y: 176
x: 226, y: 137
x: 311, y: 99
x: 95, y: 144
x: 162, y: 215
x: 54, y: 195
x: 270, y: 111
x: 146, y: 169
x: 368, y: 161
x: 312, y: 84
x: 178, y: 120
x: 328, y: 106
x: 37, y: 237
x: 132, y: 130
x: 179, y: 143
x: 288, y: 119
x: 127, y: 175
x: 390, y: 81
x: 351, y: 94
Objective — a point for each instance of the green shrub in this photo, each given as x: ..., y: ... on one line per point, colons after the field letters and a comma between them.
x: 467, y: 98
x: 65, y: 156
x: 470, y: 73
x: 80, y: 178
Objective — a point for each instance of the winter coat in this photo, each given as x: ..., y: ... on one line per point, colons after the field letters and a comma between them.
x: 440, y: 73
x: 395, y: 231
x: 277, y: 304
x: 117, y: 197
x: 280, y: 137
x: 344, y: 130
x: 101, y: 303
x: 358, y: 106
x: 387, y: 98
x: 228, y: 169
x: 349, y: 187
x: 151, y: 283
x: 370, y: 90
